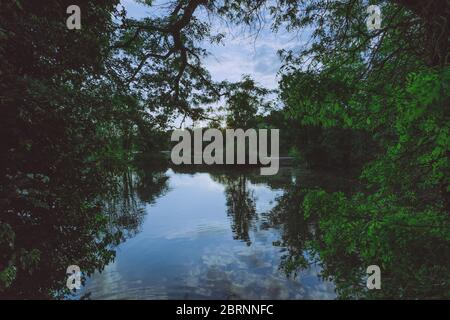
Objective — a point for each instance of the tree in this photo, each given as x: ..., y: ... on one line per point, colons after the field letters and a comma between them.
x: 391, y: 85
x: 243, y: 101
x: 65, y: 130
x: 70, y: 121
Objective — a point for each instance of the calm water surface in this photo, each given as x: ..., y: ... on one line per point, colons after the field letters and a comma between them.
x: 209, y: 236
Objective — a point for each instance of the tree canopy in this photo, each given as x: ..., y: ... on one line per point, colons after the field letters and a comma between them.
x: 78, y: 104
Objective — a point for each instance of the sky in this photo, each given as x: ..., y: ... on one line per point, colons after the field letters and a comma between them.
x: 241, y: 53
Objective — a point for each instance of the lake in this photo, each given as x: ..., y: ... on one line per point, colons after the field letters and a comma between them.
x: 214, y: 235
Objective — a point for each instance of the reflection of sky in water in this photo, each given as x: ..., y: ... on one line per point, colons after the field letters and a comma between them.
x: 186, y: 250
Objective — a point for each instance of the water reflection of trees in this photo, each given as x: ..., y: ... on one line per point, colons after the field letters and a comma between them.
x: 413, y: 261
x: 295, y: 231
x: 68, y: 219
x: 241, y: 204
x: 135, y: 188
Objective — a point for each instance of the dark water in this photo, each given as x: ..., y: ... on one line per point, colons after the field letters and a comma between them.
x: 213, y: 235
x: 148, y: 231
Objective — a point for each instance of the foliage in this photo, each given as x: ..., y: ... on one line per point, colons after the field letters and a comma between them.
x: 375, y: 83
x: 244, y: 100
x: 78, y: 105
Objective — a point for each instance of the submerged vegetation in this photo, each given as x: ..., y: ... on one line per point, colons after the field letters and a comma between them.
x: 82, y: 109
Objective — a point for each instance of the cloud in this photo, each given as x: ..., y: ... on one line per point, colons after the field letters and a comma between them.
x: 241, y: 53
x: 135, y: 9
